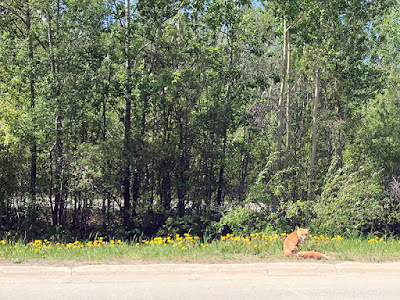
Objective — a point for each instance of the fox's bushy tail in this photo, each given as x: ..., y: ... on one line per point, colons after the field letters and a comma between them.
x: 314, y: 254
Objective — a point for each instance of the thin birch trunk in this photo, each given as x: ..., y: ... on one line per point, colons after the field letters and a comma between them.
x: 282, y: 93
x: 288, y: 98
x: 314, y: 134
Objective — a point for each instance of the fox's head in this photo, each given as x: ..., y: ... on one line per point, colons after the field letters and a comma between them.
x: 302, y: 234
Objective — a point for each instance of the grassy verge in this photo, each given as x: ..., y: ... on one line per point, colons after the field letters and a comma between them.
x: 187, y: 248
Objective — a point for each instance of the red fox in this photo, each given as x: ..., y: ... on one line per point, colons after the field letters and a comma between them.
x: 290, y: 245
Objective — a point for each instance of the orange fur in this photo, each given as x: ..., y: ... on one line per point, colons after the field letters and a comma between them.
x: 290, y: 245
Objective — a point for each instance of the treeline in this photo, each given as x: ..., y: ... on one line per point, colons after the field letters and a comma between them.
x: 155, y: 117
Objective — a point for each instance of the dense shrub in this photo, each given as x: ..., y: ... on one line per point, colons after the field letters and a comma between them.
x: 355, y: 201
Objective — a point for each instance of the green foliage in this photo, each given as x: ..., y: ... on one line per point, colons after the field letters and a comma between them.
x: 235, y: 221
x: 203, y: 87
x: 278, y: 193
x: 354, y: 200
x: 274, y: 188
x: 241, y: 221
x: 377, y: 136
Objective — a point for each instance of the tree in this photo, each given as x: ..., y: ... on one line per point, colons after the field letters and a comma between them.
x: 314, y: 132
x: 159, y: 117
x: 127, y: 124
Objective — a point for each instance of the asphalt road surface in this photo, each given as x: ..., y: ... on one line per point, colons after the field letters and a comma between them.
x: 293, y: 280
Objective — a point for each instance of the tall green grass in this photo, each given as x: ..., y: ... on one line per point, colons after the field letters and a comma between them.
x: 187, y: 248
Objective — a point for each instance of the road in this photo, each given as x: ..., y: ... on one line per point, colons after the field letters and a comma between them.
x: 287, y: 280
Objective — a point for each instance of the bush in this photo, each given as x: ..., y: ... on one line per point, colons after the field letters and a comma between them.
x: 242, y: 221
x: 276, y: 192
x: 353, y: 202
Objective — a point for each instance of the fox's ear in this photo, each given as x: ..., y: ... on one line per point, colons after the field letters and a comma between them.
x: 297, y: 228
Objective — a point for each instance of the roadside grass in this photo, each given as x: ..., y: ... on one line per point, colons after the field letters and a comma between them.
x: 377, y: 249
x: 187, y: 248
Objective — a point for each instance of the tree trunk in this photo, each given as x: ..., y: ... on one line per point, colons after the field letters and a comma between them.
x: 288, y: 99
x: 282, y: 92
x: 32, y: 96
x: 221, y: 175
x: 222, y: 165
x: 225, y: 129
x: 314, y: 134
x: 244, y: 168
x: 183, y: 164
x: 127, y: 123
x: 58, y: 200
x: 105, y: 98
